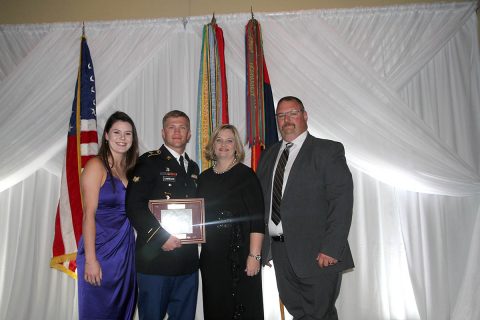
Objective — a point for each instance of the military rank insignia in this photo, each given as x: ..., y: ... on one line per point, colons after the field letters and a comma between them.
x: 154, y: 153
x: 136, y: 179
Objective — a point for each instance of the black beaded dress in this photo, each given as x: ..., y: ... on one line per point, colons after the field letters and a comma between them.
x: 234, y: 209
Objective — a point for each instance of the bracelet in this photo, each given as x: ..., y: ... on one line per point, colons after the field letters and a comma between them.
x: 256, y: 257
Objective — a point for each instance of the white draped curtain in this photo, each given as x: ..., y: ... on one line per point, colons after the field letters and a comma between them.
x: 399, y: 86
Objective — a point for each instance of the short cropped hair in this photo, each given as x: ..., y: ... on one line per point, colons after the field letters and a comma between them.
x: 175, y: 114
x: 291, y: 98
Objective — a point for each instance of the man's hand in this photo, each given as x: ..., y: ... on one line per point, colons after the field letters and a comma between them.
x: 171, y: 244
x: 325, y: 261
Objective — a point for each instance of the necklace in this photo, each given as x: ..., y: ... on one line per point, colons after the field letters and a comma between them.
x: 228, y: 168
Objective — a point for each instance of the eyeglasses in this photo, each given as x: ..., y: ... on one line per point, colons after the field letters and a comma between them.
x: 291, y: 114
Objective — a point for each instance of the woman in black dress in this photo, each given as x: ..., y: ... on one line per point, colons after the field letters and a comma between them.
x: 230, y: 259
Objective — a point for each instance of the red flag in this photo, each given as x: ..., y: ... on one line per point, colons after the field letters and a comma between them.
x: 82, y: 144
x: 223, y: 73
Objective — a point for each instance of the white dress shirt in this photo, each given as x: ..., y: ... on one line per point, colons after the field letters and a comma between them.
x: 273, y: 229
x: 177, y: 156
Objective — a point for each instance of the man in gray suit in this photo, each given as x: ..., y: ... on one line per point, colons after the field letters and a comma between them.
x: 308, y: 192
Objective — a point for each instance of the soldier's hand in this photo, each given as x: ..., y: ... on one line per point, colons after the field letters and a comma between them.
x: 171, y: 244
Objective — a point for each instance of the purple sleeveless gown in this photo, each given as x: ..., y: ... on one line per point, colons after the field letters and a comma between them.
x: 115, y: 249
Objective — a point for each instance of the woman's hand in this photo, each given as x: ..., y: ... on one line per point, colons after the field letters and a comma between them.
x: 93, y: 273
x: 254, y: 258
x: 253, y: 266
x: 93, y: 177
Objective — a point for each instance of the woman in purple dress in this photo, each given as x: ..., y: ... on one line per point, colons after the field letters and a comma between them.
x: 107, y: 287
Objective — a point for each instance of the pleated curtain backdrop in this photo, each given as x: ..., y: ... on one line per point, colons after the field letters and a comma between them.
x: 399, y: 86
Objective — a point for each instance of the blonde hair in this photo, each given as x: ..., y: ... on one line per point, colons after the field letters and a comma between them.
x: 210, y: 150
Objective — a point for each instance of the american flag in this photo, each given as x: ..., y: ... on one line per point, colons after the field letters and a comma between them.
x: 82, y: 144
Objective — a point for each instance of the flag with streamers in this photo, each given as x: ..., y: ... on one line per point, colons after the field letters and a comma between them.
x: 82, y: 144
x: 212, y: 105
x: 261, y: 124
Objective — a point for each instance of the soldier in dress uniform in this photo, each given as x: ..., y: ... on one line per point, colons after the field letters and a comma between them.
x: 167, y: 271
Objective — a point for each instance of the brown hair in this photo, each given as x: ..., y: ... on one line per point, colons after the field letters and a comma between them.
x: 104, y: 152
x: 175, y: 114
x: 292, y: 98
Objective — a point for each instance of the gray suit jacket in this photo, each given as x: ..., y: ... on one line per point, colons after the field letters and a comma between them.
x: 316, y: 206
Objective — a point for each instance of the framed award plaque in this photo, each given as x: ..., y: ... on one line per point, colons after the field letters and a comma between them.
x: 182, y: 218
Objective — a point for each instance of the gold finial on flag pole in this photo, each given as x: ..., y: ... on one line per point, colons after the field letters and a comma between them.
x: 83, y: 28
x: 251, y: 11
x: 214, y: 21
x: 184, y: 22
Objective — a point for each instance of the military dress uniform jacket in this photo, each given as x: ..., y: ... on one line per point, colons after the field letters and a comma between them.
x: 158, y: 175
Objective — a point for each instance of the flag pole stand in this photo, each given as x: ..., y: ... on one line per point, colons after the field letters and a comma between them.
x: 282, y: 309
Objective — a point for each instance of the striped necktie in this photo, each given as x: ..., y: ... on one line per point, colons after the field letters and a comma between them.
x: 278, y: 184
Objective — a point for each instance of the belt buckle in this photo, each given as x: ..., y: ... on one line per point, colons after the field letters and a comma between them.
x: 279, y: 238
